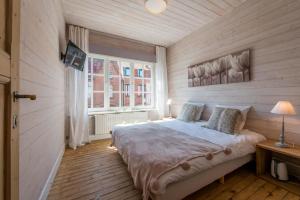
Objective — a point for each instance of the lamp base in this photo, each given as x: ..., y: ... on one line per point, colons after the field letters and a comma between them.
x: 281, y: 145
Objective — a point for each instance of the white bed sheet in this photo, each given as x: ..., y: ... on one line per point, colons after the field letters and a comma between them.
x: 195, y: 129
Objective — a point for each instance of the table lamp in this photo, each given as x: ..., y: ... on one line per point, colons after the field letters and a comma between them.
x: 283, y: 108
x: 169, y: 102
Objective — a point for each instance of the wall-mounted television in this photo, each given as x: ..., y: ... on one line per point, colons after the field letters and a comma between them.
x: 74, y: 56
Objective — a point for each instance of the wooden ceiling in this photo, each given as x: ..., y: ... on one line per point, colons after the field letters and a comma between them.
x: 128, y: 18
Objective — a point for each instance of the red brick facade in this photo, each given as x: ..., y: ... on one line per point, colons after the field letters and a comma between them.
x: 120, y: 84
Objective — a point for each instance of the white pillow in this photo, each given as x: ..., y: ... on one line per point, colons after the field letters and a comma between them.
x: 201, y: 106
x: 244, y: 110
x: 248, y: 136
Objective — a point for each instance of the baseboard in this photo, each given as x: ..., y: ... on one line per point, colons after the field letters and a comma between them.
x: 52, y: 175
x: 100, y: 137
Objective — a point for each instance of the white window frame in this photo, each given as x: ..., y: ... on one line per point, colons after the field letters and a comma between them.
x: 132, y: 85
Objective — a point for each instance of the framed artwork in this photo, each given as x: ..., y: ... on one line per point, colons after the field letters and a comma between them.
x: 232, y: 68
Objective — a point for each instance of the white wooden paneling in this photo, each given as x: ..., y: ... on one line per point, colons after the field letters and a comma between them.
x: 271, y: 29
x: 129, y: 18
x: 41, y: 122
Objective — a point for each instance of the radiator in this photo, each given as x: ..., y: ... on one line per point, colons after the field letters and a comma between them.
x: 105, y: 122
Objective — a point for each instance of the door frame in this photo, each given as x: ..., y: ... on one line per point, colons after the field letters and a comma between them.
x: 12, y: 137
x: 3, y: 84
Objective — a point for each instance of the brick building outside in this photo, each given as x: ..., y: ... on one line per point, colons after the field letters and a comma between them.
x: 119, y: 75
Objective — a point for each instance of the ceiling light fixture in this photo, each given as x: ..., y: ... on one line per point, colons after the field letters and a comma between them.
x: 155, y: 6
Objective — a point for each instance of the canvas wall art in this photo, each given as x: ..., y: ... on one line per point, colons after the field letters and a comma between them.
x: 232, y: 68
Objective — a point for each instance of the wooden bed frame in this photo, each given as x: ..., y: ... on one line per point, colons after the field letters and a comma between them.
x: 181, y: 189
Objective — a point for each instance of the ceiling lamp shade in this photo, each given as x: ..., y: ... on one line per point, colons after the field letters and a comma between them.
x: 155, y: 6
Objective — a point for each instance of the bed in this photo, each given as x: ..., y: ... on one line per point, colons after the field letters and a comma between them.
x: 184, y: 178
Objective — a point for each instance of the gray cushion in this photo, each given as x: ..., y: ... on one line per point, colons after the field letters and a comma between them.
x: 214, y: 118
x: 228, y: 120
x: 201, y: 107
x: 189, y: 112
x: 238, y: 123
x: 244, y: 110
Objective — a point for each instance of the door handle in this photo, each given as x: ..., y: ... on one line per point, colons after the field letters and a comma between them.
x: 23, y: 96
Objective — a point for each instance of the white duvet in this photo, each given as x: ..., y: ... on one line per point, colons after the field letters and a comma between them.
x: 241, y: 145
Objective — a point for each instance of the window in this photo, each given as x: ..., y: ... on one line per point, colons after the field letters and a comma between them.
x: 95, y: 83
x: 116, y: 84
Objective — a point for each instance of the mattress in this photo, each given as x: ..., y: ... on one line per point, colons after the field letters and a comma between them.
x: 242, y: 145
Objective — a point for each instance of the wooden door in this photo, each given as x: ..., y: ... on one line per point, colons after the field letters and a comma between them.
x: 4, y: 69
x: 9, y: 67
x: 2, y: 139
x: 2, y: 23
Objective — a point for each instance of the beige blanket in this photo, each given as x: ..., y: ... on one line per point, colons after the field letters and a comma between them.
x: 150, y: 150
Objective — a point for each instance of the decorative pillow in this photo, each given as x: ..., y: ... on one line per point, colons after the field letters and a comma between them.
x: 228, y: 120
x: 189, y: 112
x: 201, y: 107
x: 238, y: 123
x: 244, y: 111
x: 214, y: 118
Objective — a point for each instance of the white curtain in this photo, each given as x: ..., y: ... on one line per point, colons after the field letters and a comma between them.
x: 161, y: 80
x: 77, y: 91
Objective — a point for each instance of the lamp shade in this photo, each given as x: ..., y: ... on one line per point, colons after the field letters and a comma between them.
x: 283, y: 108
x: 155, y: 6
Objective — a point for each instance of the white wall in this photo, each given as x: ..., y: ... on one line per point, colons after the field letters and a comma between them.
x: 41, y: 122
x: 270, y: 28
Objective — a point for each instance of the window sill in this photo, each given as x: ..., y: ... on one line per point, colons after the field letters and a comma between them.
x: 121, y: 111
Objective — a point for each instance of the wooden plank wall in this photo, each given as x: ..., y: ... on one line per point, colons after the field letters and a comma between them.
x: 41, y: 122
x: 271, y: 28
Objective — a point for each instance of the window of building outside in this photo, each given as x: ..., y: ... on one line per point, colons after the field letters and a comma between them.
x: 119, y: 84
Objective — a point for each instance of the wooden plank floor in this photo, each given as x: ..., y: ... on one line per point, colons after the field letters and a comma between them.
x: 97, y: 172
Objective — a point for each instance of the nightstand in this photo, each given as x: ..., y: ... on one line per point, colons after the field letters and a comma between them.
x: 264, y: 152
